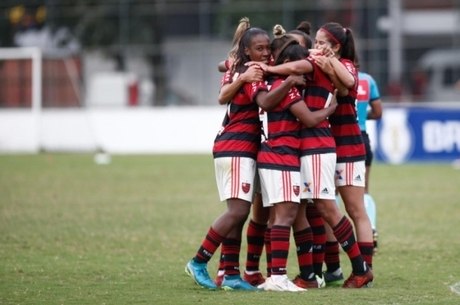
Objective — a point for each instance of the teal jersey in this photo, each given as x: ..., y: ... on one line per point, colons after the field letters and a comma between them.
x: 367, y: 93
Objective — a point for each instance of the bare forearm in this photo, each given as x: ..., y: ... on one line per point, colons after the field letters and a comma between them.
x: 228, y: 91
x: 345, y: 77
x: 270, y: 100
x: 342, y: 90
x: 375, y: 113
x: 294, y: 67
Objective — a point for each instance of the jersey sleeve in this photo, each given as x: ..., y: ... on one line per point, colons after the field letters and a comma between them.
x: 374, y: 90
x: 292, y: 97
x: 312, y: 75
x: 252, y: 89
x: 228, y: 78
x: 351, y: 68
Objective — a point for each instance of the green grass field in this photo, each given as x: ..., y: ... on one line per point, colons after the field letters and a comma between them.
x: 73, y: 232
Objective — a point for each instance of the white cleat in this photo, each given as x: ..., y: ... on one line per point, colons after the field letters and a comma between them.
x: 321, y: 281
x: 281, y: 283
x: 262, y: 286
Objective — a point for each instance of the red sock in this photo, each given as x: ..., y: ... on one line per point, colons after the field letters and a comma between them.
x: 319, y: 237
x: 331, y: 258
x: 268, y: 250
x: 367, y: 251
x: 231, y: 251
x: 280, y: 248
x: 343, y: 232
x: 255, y: 239
x: 209, y: 245
x: 304, y: 240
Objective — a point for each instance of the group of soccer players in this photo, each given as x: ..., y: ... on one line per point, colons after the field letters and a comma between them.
x: 289, y: 139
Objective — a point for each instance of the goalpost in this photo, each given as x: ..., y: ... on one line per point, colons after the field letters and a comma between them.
x: 35, y: 55
x: 31, y: 130
x: 33, y: 136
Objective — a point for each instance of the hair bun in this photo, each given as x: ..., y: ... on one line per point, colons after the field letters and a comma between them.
x: 278, y: 30
x: 304, y: 26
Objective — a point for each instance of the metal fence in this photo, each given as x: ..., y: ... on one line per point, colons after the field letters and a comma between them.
x: 147, y: 52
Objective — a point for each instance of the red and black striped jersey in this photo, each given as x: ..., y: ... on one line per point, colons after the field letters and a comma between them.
x: 280, y: 139
x: 317, y: 139
x: 240, y: 132
x: 344, y: 123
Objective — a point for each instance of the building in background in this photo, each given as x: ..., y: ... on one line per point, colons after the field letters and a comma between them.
x: 161, y: 52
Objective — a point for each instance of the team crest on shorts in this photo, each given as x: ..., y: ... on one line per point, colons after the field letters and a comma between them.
x: 296, y: 189
x: 246, y: 187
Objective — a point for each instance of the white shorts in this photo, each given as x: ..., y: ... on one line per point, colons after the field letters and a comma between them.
x: 279, y: 186
x: 235, y: 177
x: 317, y: 175
x: 257, y: 183
x: 350, y: 173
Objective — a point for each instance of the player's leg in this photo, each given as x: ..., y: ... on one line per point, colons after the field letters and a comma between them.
x: 303, y: 238
x: 369, y: 203
x: 255, y: 236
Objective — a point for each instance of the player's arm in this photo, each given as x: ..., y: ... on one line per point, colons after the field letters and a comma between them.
x: 325, y: 64
x: 312, y: 118
x: 375, y: 111
x: 269, y: 100
x: 294, y: 67
x: 375, y: 103
x: 224, y: 65
x: 228, y: 91
x: 345, y: 77
x: 298, y: 67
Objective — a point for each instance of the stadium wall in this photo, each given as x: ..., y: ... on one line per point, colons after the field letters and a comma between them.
x: 405, y: 133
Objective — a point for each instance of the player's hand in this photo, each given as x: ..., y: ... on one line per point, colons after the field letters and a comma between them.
x: 262, y: 65
x: 253, y: 74
x: 324, y: 63
x: 296, y: 80
x: 328, y: 52
x: 334, y: 103
x: 315, y: 52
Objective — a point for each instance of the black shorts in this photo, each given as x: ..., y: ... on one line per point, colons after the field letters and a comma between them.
x: 367, y: 144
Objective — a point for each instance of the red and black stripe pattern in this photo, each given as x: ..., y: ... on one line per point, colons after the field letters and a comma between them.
x: 240, y: 132
x: 280, y: 149
x: 344, y: 124
x: 318, y: 139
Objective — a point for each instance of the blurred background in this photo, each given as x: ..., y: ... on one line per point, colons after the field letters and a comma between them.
x: 125, y: 54
x: 166, y: 52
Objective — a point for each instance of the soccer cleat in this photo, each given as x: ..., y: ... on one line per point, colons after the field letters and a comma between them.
x: 199, y: 273
x: 359, y: 281
x: 219, y: 277
x: 255, y: 278
x: 375, y: 236
x: 262, y: 286
x: 333, y: 278
x: 235, y: 282
x: 318, y: 282
x: 281, y: 283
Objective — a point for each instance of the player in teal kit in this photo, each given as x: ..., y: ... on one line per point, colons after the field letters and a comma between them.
x: 369, y: 107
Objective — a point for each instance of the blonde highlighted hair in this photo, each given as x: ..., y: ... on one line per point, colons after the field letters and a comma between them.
x: 278, y: 31
x: 243, y: 25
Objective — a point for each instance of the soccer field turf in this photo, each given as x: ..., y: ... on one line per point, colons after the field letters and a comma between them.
x: 74, y: 232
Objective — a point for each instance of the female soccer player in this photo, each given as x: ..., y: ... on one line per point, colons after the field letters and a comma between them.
x: 338, y: 43
x: 256, y: 229
x: 279, y: 163
x: 235, y: 151
x: 341, y: 226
